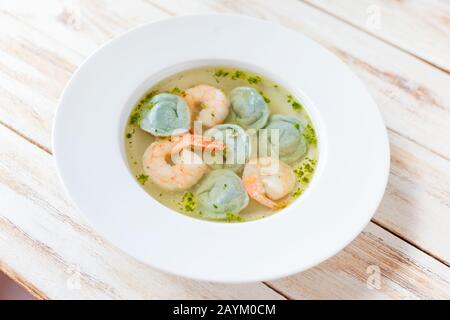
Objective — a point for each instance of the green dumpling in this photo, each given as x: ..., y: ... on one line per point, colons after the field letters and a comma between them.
x: 166, y: 115
x: 248, y: 108
x: 221, y: 193
x: 237, y: 149
x: 292, y: 144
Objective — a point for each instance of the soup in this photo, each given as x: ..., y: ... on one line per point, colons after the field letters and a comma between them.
x: 251, y: 151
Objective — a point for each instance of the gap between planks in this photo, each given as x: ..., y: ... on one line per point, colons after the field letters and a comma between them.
x: 37, y: 144
x: 23, y: 283
x: 413, y: 244
x: 418, y: 144
x: 281, y: 293
x: 353, y: 25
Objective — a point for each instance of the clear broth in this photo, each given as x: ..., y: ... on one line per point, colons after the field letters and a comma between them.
x: 280, y: 101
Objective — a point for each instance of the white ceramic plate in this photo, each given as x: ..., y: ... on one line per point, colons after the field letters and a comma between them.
x: 344, y: 194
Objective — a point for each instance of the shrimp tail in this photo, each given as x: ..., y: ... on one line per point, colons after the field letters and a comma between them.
x: 252, y: 185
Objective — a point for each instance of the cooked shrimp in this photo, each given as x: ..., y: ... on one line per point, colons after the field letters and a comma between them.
x: 267, y: 180
x: 212, y: 101
x: 187, y: 167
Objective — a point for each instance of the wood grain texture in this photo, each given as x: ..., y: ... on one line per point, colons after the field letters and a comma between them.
x: 420, y: 27
x: 41, y: 46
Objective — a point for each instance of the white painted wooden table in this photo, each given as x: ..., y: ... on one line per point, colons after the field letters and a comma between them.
x: 400, y: 49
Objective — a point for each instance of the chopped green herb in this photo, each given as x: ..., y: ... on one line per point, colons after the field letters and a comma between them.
x: 297, y: 126
x: 215, y: 206
x: 231, y: 217
x: 142, y: 178
x: 267, y: 100
x: 188, y: 202
x: 299, y: 172
x: 225, y: 186
x: 135, y: 118
x: 254, y: 79
x: 150, y: 95
x: 311, y: 161
x: 149, y: 106
x: 275, y: 86
x: 296, y: 105
x: 238, y: 74
x: 176, y: 91
x: 219, y: 73
x: 310, y: 135
x: 297, y: 192
x: 304, y: 173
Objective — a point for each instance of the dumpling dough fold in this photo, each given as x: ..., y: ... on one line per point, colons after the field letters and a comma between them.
x: 221, y: 193
x: 292, y: 144
x: 248, y: 108
x: 166, y: 115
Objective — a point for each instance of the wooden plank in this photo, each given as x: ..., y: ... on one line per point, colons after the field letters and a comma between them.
x: 416, y: 204
x: 400, y: 84
x: 420, y: 27
x: 46, y: 244
x: 40, y: 48
x: 377, y: 265
x: 38, y: 224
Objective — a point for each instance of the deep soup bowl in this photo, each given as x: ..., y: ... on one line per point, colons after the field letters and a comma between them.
x: 351, y: 175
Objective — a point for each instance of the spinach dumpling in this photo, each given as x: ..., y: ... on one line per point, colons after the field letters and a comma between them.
x: 248, y: 108
x: 166, y: 115
x: 292, y: 144
x: 237, y: 149
x: 220, y: 194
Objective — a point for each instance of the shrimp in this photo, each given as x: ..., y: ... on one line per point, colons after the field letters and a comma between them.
x: 212, y: 101
x: 268, y: 180
x: 187, y: 167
